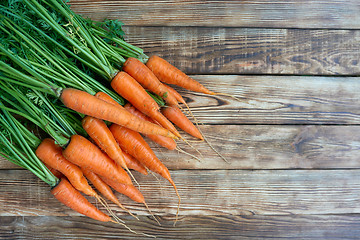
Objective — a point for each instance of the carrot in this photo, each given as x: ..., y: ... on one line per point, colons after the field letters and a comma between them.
x: 51, y: 154
x: 87, y: 104
x: 163, y: 141
x: 132, y: 91
x: 100, y: 133
x: 130, y: 191
x: 174, y: 114
x: 177, y: 95
x: 167, y: 73
x: 143, y: 75
x: 103, y: 96
x: 85, y: 154
x: 166, y: 142
x: 104, y: 189
x: 134, y: 164
x: 55, y: 172
x: 100, y: 185
x: 69, y: 196
x: 132, y: 142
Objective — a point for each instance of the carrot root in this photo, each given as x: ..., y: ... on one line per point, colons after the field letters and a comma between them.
x: 147, y: 207
x: 191, y: 155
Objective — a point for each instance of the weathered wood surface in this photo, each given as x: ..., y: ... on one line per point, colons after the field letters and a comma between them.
x: 216, y: 192
x: 189, y: 227
x: 292, y: 141
x: 277, y: 100
x: 252, y: 50
x: 268, y: 13
x: 266, y: 147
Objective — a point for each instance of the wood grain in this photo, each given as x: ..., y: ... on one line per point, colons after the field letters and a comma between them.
x: 252, y: 50
x: 267, y: 147
x: 189, y: 227
x: 265, y: 13
x: 277, y: 100
x: 216, y: 192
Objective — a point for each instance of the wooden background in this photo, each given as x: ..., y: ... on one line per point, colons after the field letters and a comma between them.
x: 293, y: 142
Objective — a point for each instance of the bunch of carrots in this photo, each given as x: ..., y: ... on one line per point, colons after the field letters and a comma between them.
x: 56, y: 70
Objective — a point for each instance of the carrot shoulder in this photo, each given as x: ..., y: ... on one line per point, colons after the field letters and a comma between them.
x: 143, y: 75
x: 132, y: 91
x: 85, y: 154
x: 55, y: 172
x: 51, y: 154
x: 69, y: 196
x: 87, y: 104
x: 167, y: 73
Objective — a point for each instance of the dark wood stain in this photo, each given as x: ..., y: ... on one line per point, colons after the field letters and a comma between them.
x: 234, y: 13
x: 252, y: 50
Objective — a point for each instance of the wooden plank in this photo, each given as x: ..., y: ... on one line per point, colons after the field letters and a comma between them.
x: 252, y: 50
x: 277, y: 100
x: 267, y: 147
x: 265, y: 13
x: 216, y: 192
x: 190, y: 227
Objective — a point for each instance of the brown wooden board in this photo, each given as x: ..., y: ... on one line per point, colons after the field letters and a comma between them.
x: 266, y: 147
x: 216, y: 192
x: 292, y: 141
x: 252, y: 50
x: 268, y: 13
x: 189, y: 227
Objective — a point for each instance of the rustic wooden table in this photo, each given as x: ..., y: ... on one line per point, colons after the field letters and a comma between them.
x: 293, y: 142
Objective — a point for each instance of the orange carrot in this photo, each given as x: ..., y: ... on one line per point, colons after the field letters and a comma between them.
x: 143, y: 75
x: 132, y: 91
x: 100, y: 133
x: 55, y: 172
x: 166, y: 142
x: 163, y: 141
x: 132, y: 142
x: 51, y: 154
x: 131, y: 191
x: 69, y: 196
x: 167, y: 73
x: 134, y: 164
x: 174, y: 114
x: 177, y: 95
x: 102, y: 187
x: 103, y: 96
x: 87, y: 104
x: 85, y: 154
